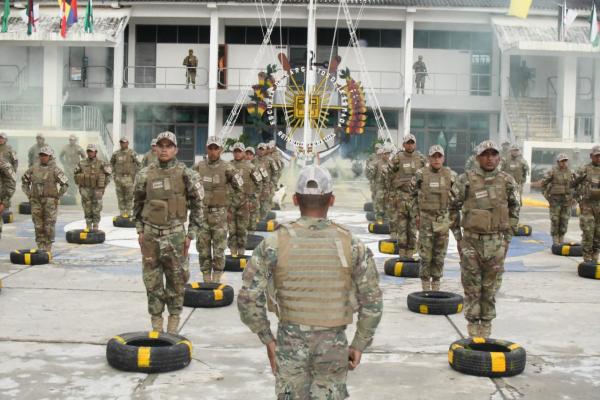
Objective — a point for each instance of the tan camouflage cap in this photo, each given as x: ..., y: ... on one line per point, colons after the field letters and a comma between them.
x: 124, y: 139
x: 378, y: 146
x: 314, y: 179
x: 3, y: 135
x: 238, y: 146
x: 91, y: 147
x: 250, y: 149
x: 39, y: 136
x: 214, y: 140
x: 73, y: 137
x: 271, y: 144
x: 487, y: 145
x: 261, y: 146
x: 387, y: 148
x: 561, y: 157
x: 47, y: 150
x: 436, y: 148
x: 595, y: 150
x: 515, y: 147
x: 153, y: 142
x: 170, y: 136
x: 408, y: 138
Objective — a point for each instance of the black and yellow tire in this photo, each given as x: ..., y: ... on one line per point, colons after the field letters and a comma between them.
x: 207, y: 295
x: 83, y: 236
x: 567, y: 249
x: 236, y: 264
x: 368, y: 206
x: 589, y: 270
x: 379, y: 228
x: 435, y: 303
x: 487, y: 357
x: 271, y: 215
x: 388, y: 246
x: 67, y: 200
x: 266, y: 226
x: 524, y: 230
x: 30, y: 257
x: 123, y: 222
x: 25, y: 208
x: 370, y: 215
x: 402, y: 267
x: 252, y: 241
x: 8, y: 217
x: 148, y: 352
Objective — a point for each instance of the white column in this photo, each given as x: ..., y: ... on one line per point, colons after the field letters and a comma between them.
x: 52, y: 97
x: 213, y: 73
x: 567, y: 97
x: 311, y: 52
x: 504, y: 94
x: 131, y: 53
x: 408, y: 35
x: 118, y: 65
x: 596, y: 97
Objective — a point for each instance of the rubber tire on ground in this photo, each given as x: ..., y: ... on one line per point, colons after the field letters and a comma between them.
x: 121, y: 222
x: 25, y: 208
x: 368, y: 206
x: 271, y: 215
x: 80, y: 236
x: 148, y: 352
x: 30, y: 257
x: 207, y: 295
x: 266, y: 226
x: 370, y: 215
x: 68, y: 200
x: 435, y: 303
x: 523, y: 230
x: 589, y: 270
x: 236, y: 264
x: 388, y: 246
x: 252, y: 241
x: 487, y: 357
x: 402, y: 267
x: 8, y: 217
x: 379, y: 229
x: 567, y: 249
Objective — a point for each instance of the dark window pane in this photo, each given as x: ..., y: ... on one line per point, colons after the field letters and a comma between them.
x: 391, y: 38
x: 460, y: 40
x: 188, y: 34
x: 297, y: 36
x: 143, y: 114
x: 421, y: 39
x: 203, y: 115
x: 162, y: 114
x: 439, y: 40
x: 254, y: 35
x: 204, y: 34
x: 145, y: 33
x: 325, y: 36
x: 481, y: 41
x: 279, y: 35
x: 184, y: 115
x: 343, y: 37
x: 369, y: 37
x: 435, y: 121
x: 479, y: 121
x: 417, y: 120
x: 391, y: 118
x: 235, y: 34
x: 166, y: 34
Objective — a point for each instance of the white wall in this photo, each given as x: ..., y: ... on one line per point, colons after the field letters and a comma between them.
x: 172, y: 55
x: 585, y: 78
x: 240, y: 60
x: 12, y: 55
x: 97, y: 57
x: 384, y: 66
x: 544, y: 67
x: 449, y: 70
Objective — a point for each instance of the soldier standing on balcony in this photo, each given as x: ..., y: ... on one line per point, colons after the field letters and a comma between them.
x: 7, y: 153
x: 70, y: 155
x: 92, y: 176
x: 126, y: 165
x: 420, y: 74
x: 191, y: 63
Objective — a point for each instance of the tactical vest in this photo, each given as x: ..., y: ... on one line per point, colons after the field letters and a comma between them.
x: 261, y: 165
x: 124, y: 164
x: 6, y: 153
x: 435, y: 189
x: 214, y: 180
x: 592, y: 183
x: 515, y: 168
x: 245, y: 169
x: 91, y: 175
x: 165, y: 196
x: 407, y: 168
x: 313, y: 290
x: 43, y: 181
x: 485, y: 209
x: 561, y: 181
x: 72, y: 154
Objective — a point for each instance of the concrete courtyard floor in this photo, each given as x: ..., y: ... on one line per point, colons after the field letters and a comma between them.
x: 55, y: 321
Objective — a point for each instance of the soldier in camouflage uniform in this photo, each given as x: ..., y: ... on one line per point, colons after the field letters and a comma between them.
x: 239, y: 201
x: 488, y: 200
x: 370, y: 169
x: 587, y: 187
x: 253, y: 198
x: 8, y: 184
x: 403, y: 224
x: 39, y: 185
x: 269, y: 170
x: 92, y: 176
x: 310, y: 357
x: 516, y: 166
x: 276, y: 156
x: 125, y: 165
x: 69, y: 156
x: 433, y: 190
x: 34, y: 150
x: 164, y: 191
x: 150, y: 156
x: 471, y: 163
x: 557, y: 185
x: 218, y: 177
x: 7, y: 153
x: 380, y: 183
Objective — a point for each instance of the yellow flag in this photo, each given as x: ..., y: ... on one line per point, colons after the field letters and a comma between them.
x: 519, y: 8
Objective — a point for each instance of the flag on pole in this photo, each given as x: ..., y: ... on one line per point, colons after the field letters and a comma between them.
x: 519, y: 8
x: 594, y: 31
x: 5, y: 16
x: 30, y: 17
x: 68, y: 15
x: 89, y: 17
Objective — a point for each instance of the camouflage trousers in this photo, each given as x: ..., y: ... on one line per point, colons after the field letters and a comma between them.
x: 311, y: 364
x: 589, y: 222
x: 72, y: 188
x: 163, y: 255
x: 91, y: 201
x: 238, y: 221
x: 43, y: 214
x: 253, y: 210
x: 482, y: 265
x: 124, y: 186
x: 265, y: 202
x: 379, y: 203
x: 373, y: 191
x: 212, y: 240
x: 433, y: 245
x: 560, y: 212
x: 403, y: 222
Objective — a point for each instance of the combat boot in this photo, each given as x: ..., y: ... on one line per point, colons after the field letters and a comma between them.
x: 173, y: 324
x: 216, y: 276
x: 473, y: 329
x: 435, y: 284
x: 206, y: 277
x: 94, y: 227
x: 234, y: 252
x: 556, y: 239
x: 157, y: 323
x: 241, y: 251
x: 425, y: 284
x: 561, y: 239
x: 411, y: 253
x: 88, y: 226
x: 485, y: 330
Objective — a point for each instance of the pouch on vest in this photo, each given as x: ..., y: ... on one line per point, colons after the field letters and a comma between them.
x: 478, y: 221
x: 101, y: 181
x: 441, y: 226
x: 156, y: 212
x: 595, y: 194
x: 558, y: 189
x: 79, y: 179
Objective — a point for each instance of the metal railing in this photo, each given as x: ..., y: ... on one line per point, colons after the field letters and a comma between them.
x: 96, y: 76
x: 446, y: 83
x: 13, y: 76
x: 585, y: 87
x: 161, y: 77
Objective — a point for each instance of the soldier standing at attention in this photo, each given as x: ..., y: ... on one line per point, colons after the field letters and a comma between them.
x: 382, y: 168
x: 516, y: 166
x: 471, y: 162
x: 433, y: 190
x: 239, y: 201
x: 217, y: 177
x: 370, y: 168
x: 488, y: 200
x: 404, y: 166
x: 92, y: 176
x: 150, y: 155
x: 587, y: 187
x: 310, y: 357
x: 39, y: 185
x: 69, y: 156
x: 268, y: 169
x: 254, y: 206
x: 7, y: 153
x: 163, y: 193
x: 557, y: 186
x: 275, y: 166
x: 190, y: 62
x: 420, y: 74
x: 125, y: 165
x: 8, y: 185
x: 34, y: 150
